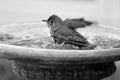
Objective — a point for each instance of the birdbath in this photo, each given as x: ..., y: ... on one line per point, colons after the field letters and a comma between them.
x: 56, y: 64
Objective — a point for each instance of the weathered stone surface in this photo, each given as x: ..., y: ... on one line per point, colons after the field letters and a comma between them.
x: 35, y: 71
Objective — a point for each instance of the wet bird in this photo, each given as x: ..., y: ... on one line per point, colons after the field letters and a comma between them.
x: 61, y: 33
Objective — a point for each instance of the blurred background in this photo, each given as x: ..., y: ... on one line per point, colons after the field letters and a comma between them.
x: 105, y: 11
x: 19, y: 11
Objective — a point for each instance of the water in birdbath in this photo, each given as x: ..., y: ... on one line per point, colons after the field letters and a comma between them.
x: 33, y: 37
x: 48, y: 43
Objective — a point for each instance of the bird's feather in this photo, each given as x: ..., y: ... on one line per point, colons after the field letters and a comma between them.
x: 70, y: 37
x: 77, y: 23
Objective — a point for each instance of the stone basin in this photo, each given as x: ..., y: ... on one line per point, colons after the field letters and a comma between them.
x: 54, y: 62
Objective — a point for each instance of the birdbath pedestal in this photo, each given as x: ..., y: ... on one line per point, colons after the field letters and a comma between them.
x: 35, y: 71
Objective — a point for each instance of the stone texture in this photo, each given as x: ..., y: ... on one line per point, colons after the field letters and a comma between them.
x: 35, y: 71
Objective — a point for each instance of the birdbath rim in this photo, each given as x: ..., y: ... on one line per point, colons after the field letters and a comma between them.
x: 49, y: 56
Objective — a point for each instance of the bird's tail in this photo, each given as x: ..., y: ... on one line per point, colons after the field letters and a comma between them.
x: 82, y: 45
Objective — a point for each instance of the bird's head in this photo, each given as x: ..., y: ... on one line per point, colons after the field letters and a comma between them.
x: 54, y: 21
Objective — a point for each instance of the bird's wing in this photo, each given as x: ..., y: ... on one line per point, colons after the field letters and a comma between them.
x: 77, y: 23
x: 78, y: 19
x: 75, y: 19
x: 70, y: 35
x: 74, y: 24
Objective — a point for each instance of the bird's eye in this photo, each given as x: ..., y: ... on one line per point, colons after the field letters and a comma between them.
x: 51, y: 22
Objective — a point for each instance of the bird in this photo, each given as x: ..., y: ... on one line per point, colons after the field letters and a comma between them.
x: 61, y: 33
x: 76, y: 22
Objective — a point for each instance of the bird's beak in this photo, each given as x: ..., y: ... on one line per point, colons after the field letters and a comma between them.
x: 44, y: 20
